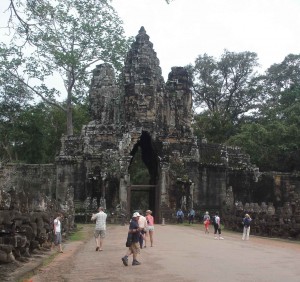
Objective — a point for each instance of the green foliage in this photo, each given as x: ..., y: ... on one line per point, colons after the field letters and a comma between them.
x: 33, y: 135
x: 260, y: 114
x: 273, y: 141
x: 68, y: 37
x: 138, y: 171
x: 213, y: 126
x: 228, y: 87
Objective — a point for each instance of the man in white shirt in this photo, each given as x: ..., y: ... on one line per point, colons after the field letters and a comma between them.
x: 100, y: 228
x: 143, y: 227
x: 57, y: 232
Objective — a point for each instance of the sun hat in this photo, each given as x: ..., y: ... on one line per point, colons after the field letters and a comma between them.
x: 136, y: 214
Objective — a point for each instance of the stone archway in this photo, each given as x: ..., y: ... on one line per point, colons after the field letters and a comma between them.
x: 143, y: 192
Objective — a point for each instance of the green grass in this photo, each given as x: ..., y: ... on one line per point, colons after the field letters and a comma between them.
x: 81, y: 233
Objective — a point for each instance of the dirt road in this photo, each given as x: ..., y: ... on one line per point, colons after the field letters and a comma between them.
x: 180, y: 253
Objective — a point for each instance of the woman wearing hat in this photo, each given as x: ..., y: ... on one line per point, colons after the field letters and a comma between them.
x: 150, y: 226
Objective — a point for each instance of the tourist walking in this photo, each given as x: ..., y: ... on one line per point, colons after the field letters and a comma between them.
x: 217, y: 226
x: 100, y: 228
x: 206, y: 225
x: 57, y: 232
x: 206, y: 222
x: 180, y: 216
x: 143, y: 227
x: 246, y: 230
x: 191, y: 216
x: 133, y: 241
x: 150, y: 226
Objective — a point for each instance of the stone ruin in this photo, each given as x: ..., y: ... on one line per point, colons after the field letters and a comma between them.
x: 27, y: 210
x: 142, y: 113
x: 141, y: 116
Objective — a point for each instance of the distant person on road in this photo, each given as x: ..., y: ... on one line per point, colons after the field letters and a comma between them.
x: 57, y: 232
x: 217, y: 226
x: 206, y: 222
x: 150, y: 226
x: 246, y: 230
x: 206, y: 225
x: 100, y: 228
x: 143, y: 227
x: 206, y: 215
x: 191, y: 216
x: 180, y: 216
x: 133, y: 241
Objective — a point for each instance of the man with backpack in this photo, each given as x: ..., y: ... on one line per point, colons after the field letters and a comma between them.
x: 217, y: 226
x: 246, y: 230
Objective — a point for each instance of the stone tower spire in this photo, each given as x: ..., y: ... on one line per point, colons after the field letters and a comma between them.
x: 143, y: 83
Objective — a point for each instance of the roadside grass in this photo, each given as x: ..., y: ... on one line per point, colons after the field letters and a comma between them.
x: 79, y: 234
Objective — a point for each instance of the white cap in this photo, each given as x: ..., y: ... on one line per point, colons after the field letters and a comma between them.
x: 136, y: 214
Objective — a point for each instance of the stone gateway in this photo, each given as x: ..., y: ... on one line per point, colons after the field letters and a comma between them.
x: 144, y: 114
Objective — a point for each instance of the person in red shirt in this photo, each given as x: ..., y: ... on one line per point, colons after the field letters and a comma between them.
x: 206, y: 225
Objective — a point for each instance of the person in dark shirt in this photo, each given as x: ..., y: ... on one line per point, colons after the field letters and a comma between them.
x: 246, y: 230
x: 133, y: 241
x: 180, y: 216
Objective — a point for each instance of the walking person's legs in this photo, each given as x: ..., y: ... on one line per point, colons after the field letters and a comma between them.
x: 141, y: 239
x: 248, y: 233
x: 244, y: 233
x: 58, y: 240
x: 215, y: 230
x: 101, y: 239
x: 97, y: 239
x: 151, y: 237
x: 219, y: 231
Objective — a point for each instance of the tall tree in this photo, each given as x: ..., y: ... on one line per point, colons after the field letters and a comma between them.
x: 14, y: 97
x: 68, y: 37
x: 228, y: 86
x: 225, y: 90
x: 273, y: 138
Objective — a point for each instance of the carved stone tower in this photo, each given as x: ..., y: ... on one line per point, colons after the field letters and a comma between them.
x: 148, y: 116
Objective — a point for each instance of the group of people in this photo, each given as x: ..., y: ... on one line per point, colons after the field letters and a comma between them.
x: 140, y: 228
x: 216, y: 222
x: 180, y: 216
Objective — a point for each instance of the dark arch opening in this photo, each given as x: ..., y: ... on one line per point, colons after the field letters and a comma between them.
x: 143, y: 171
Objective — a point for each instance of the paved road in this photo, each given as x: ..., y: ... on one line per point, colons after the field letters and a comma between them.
x: 180, y: 253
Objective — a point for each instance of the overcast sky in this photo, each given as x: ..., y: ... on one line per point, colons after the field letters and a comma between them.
x: 185, y: 29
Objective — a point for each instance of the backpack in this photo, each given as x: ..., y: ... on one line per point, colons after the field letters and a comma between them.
x: 247, y: 222
x: 213, y: 220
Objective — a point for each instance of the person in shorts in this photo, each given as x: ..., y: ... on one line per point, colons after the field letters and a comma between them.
x: 100, y: 228
x: 134, y: 235
x: 57, y: 232
x: 150, y: 226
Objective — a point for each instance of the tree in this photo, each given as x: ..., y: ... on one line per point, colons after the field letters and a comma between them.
x: 281, y: 85
x: 228, y: 86
x: 225, y: 91
x: 273, y: 137
x: 68, y: 37
x: 14, y: 97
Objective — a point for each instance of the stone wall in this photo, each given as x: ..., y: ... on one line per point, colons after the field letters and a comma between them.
x: 28, y: 206
x: 273, y: 203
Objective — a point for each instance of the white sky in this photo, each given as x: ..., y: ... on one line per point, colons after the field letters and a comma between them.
x: 185, y: 29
